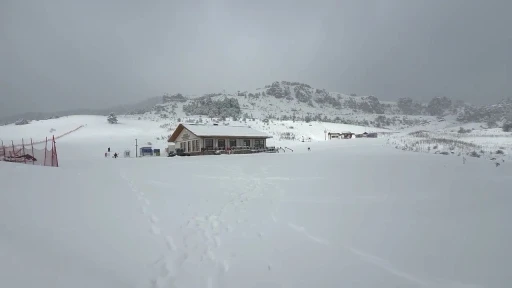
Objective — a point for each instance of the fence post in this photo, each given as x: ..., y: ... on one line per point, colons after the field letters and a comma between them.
x: 45, y: 149
x: 55, y: 152
x: 23, y: 147
x: 52, y: 154
x: 32, y: 145
x: 12, y: 153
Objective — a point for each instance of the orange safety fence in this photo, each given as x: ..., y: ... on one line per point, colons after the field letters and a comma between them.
x: 54, y: 137
x: 26, y: 153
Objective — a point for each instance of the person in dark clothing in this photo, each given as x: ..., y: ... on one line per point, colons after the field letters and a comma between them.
x: 108, y: 149
x: 115, y: 155
x: 309, y: 148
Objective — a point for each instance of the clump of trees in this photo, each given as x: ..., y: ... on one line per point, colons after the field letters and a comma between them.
x: 507, y: 124
x: 323, y: 97
x: 276, y: 90
x: 173, y: 98
x: 227, y: 107
x: 369, y: 104
x: 438, y: 106
x: 303, y: 94
x: 408, y: 107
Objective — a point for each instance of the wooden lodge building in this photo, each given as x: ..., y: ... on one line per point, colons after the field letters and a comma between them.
x: 200, y: 138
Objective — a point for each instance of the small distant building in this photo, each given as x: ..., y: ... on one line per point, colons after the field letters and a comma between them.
x: 347, y: 135
x: 366, y: 135
x: 334, y: 135
x: 145, y: 151
x: 197, y: 138
x: 342, y: 135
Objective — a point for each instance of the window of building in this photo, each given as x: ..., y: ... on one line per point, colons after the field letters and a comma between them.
x: 188, y: 146
x: 208, y: 144
x: 221, y: 143
x: 197, y: 145
x: 247, y: 142
x: 232, y: 142
x: 259, y: 143
x: 193, y: 145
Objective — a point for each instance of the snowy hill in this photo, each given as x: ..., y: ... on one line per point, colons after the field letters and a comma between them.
x: 298, y: 101
x: 280, y: 101
x: 350, y: 213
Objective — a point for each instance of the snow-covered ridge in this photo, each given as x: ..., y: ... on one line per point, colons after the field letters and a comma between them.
x: 299, y: 101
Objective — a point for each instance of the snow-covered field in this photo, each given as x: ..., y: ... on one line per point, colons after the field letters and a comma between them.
x: 489, y: 144
x: 350, y: 213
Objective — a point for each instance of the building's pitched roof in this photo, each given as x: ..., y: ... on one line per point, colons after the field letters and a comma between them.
x: 202, y: 130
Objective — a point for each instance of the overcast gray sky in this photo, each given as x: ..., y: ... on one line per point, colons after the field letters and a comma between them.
x: 60, y: 54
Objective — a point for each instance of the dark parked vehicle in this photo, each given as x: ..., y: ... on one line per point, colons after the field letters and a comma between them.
x: 181, y: 152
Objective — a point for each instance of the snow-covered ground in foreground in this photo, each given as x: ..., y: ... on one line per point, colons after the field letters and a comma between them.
x: 354, y: 213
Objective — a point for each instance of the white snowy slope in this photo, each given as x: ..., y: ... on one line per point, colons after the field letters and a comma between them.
x: 350, y: 213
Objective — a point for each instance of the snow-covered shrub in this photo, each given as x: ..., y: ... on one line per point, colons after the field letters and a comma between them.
x: 22, y: 122
x: 474, y: 154
x: 463, y: 131
x: 287, y: 136
x: 112, y: 118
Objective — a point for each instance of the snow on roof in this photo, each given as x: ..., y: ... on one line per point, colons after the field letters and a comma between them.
x: 218, y: 130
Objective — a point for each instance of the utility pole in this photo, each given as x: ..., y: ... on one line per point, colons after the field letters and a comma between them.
x: 136, y: 149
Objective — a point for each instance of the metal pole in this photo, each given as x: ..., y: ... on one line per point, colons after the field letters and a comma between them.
x: 136, y: 149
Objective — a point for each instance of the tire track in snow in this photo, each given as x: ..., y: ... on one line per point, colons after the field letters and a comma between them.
x: 386, y: 266
x: 303, y: 230
x: 366, y: 257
